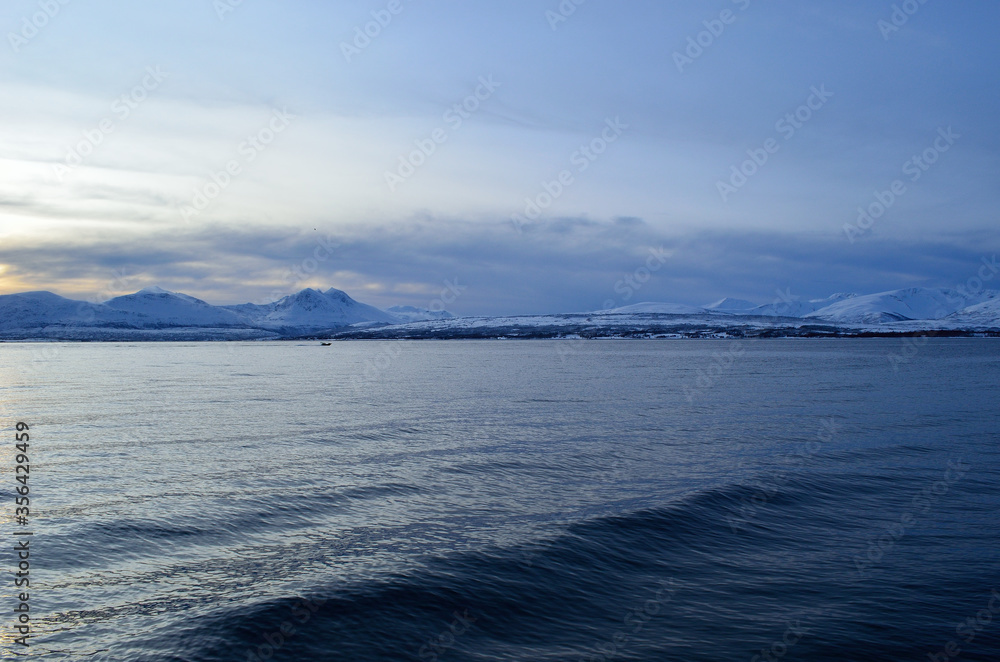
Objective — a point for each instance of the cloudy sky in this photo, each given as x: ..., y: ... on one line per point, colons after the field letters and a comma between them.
x: 542, y: 156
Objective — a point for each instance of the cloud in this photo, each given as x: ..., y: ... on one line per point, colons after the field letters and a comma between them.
x: 121, y: 207
x: 569, y: 264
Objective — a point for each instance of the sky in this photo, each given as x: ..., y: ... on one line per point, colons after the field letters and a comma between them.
x: 520, y: 156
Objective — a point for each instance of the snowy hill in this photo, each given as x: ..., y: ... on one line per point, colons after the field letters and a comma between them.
x: 312, y: 309
x: 730, y: 305
x: 985, y: 314
x: 652, y: 308
x: 157, y: 314
x: 915, y: 303
x: 413, y: 314
x: 797, y: 308
x: 41, y: 309
x: 155, y: 310
x: 156, y: 307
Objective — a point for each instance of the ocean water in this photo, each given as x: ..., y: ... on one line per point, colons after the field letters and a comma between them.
x: 507, y: 500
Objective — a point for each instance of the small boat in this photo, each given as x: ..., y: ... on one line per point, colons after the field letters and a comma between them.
x: 326, y: 344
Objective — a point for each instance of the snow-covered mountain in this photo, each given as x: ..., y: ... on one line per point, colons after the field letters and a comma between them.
x: 312, y: 309
x: 915, y: 303
x: 731, y: 305
x: 653, y: 308
x: 413, y: 314
x: 984, y: 314
x: 157, y: 314
x: 797, y: 308
x: 156, y: 307
x: 153, y: 309
x: 884, y: 313
x: 35, y: 310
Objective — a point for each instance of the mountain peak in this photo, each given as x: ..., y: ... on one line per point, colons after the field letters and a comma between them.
x: 339, y: 295
x: 911, y: 303
x: 150, y: 298
x: 313, y: 308
x: 153, y: 289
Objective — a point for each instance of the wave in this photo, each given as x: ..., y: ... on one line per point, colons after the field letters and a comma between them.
x: 675, y: 581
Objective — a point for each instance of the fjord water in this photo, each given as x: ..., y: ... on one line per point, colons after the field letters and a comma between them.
x: 508, y: 500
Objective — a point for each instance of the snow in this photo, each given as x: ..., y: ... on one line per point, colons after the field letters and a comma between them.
x: 915, y: 303
x: 413, y: 314
x: 729, y: 304
x: 41, y: 309
x: 652, y: 308
x: 984, y: 314
x: 312, y: 309
x: 796, y: 308
x: 153, y: 306
x: 155, y: 313
x: 153, y: 289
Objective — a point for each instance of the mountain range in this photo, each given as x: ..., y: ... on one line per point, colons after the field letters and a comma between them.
x: 157, y: 314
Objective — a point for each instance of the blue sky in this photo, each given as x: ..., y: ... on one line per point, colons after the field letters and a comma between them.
x: 239, y: 151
